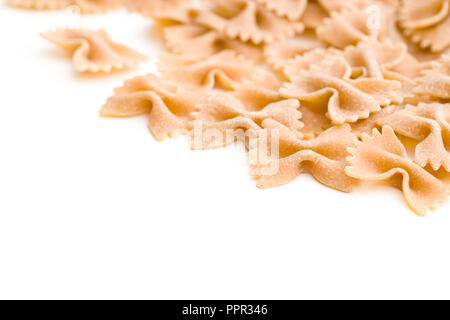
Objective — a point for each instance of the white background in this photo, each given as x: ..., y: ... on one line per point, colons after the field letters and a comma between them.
x: 96, y: 208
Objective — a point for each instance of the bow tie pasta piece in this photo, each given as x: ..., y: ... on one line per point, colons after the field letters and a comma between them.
x: 94, y: 51
x: 429, y: 124
x: 223, y: 69
x: 370, y: 58
x: 172, y: 13
x: 346, y: 28
x: 373, y: 122
x: 247, y: 21
x: 313, y: 16
x: 291, y: 9
x: 40, y: 4
x: 304, y: 62
x: 246, y: 108
x: 358, y: 21
x: 323, y: 157
x: 436, y: 81
x: 227, y: 117
x: 86, y: 6
x: 383, y: 60
x: 382, y: 157
x: 149, y: 7
x: 347, y: 100
x: 278, y: 54
x: 339, y: 5
x: 95, y: 6
x: 427, y: 22
x: 198, y: 42
x: 168, y: 106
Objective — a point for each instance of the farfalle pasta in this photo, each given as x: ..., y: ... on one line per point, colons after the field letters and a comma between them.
x: 226, y: 112
x: 348, y: 91
x: 86, y: 6
x: 324, y: 157
x: 346, y: 28
x: 169, y: 107
x: 195, y: 41
x: 291, y: 9
x: 382, y: 157
x: 224, y: 69
x: 40, y: 4
x: 151, y: 7
x: 436, y: 81
x: 426, y: 22
x: 94, y: 51
x: 429, y: 124
x: 247, y: 21
x: 280, y: 53
x: 347, y: 100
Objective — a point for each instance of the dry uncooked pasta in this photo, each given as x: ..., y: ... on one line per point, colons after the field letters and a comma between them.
x: 292, y: 9
x: 383, y: 157
x: 324, y: 157
x: 94, y: 51
x: 85, y: 6
x: 348, y: 91
x: 329, y: 83
x: 427, y: 22
x: 247, y: 21
x: 429, y: 124
x: 436, y: 81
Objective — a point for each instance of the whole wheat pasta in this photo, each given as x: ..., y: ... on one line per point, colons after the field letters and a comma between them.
x: 383, y: 157
x: 86, y: 6
x: 427, y: 22
x: 345, y: 90
x: 323, y: 157
x: 94, y: 51
x: 169, y: 107
x: 430, y: 125
x: 436, y: 81
x: 225, y: 69
x: 247, y: 21
x: 347, y: 100
x: 40, y: 4
x: 291, y: 9
x: 195, y: 41
x: 281, y: 53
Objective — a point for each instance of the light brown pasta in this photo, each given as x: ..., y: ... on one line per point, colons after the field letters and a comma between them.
x: 382, y: 157
x: 40, y: 4
x: 247, y: 21
x: 430, y: 125
x: 86, y: 6
x: 436, y: 81
x: 169, y: 107
x: 383, y: 60
x: 323, y: 157
x: 373, y: 122
x: 427, y: 22
x: 198, y: 42
x: 307, y: 85
x: 329, y: 83
x: 314, y: 15
x: 278, y: 54
x: 95, y: 6
x: 223, y: 69
x: 150, y: 6
x: 225, y: 112
x: 94, y: 51
x: 346, y: 28
x: 291, y: 9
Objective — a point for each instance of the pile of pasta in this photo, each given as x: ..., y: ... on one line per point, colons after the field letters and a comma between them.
x: 357, y: 90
